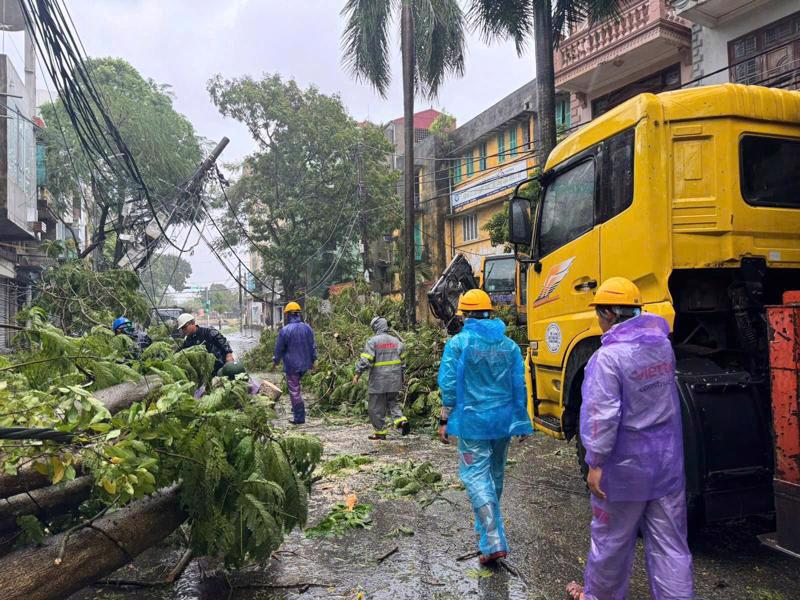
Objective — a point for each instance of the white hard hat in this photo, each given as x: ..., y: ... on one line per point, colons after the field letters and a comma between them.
x: 183, y: 319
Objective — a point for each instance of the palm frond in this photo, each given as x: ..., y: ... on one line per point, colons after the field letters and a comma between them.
x: 439, y: 42
x: 501, y: 19
x: 365, y: 42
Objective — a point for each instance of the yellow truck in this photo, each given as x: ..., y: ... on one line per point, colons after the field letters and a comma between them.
x: 695, y: 196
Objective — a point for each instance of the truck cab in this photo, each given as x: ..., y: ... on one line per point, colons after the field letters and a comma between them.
x: 504, y: 279
x: 695, y: 196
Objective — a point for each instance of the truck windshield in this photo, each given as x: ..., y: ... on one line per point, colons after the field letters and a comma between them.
x: 499, y: 274
x: 770, y: 171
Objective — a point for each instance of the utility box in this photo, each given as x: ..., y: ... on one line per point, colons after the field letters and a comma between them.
x: 784, y: 356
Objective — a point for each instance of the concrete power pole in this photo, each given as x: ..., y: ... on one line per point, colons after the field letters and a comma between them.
x: 241, y: 305
x: 407, y: 50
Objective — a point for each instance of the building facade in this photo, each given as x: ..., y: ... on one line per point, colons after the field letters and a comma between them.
x: 755, y: 42
x: 493, y: 153
x: 646, y: 48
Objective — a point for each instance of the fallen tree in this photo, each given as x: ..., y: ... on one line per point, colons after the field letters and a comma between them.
x: 67, y: 562
x: 115, y: 398
x: 243, y: 485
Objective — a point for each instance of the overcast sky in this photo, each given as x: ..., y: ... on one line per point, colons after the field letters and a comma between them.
x: 185, y: 42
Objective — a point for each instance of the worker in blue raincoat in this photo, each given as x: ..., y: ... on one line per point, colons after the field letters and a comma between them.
x: 482, y: 383
x: 296, y: 348
x: 631, y: 428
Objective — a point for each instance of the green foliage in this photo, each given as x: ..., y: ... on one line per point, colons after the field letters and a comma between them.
x: 222, y: 299
x: 438, y: 43
x: 341, y: 333
x: 497, y: 225
x: 408, y: 479
x: 340, y: 519
x: 260, y: 357
x: 32, y: 530
x: 162, y: 141
x: 78, y: 298
x: 443, y: 125
x: 298, y: 188
x: 344, y: 462
x: 242, y: 484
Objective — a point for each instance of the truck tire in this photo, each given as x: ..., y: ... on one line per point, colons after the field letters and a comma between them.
x: 573, y: 380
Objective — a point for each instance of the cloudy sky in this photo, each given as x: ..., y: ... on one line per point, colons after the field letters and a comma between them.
x: 185, y: 42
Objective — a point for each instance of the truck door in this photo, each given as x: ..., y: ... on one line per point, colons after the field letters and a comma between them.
x: 567, y: 245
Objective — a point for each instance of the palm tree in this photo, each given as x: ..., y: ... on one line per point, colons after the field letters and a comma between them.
x: 432, y: 45
x: 521, y: 19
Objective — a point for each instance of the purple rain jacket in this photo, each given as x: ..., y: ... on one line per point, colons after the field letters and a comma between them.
x: 295, y: 346
x: 630, y: 419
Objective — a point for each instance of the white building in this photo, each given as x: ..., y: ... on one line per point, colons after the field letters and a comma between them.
x: 754, y: 42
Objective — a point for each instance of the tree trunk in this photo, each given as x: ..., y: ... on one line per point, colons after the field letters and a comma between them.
x: 92, y: 552
x: 407, y: 49
x: 545, y: 78
x: 44, y: 502
x: 114, y: 398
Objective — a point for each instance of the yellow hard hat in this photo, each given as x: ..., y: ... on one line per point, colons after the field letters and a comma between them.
x: 617, y: 291
x: 475, y: 300
x: 292, y: 307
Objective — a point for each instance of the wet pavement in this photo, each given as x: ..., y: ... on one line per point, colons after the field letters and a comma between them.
x: 546, y: 509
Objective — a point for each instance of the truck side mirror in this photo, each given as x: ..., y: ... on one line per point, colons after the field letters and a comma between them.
x: 519, y: 221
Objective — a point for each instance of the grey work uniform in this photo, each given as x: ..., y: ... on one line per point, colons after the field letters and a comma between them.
x: 381, y: 356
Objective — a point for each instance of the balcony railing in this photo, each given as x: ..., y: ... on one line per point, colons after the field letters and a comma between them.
x: 589, y: 41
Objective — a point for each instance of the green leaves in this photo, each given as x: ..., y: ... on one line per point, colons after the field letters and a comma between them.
x: 340, y: 519
x: 243, y: 485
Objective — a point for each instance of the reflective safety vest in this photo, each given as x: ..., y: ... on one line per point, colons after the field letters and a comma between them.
x: 382, y: 356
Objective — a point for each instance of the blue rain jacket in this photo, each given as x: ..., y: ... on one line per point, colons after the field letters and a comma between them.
x: 296, y: 346
x: 482, y: 379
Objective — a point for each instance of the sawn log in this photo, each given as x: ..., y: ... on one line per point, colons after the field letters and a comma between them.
x: 91, y: 552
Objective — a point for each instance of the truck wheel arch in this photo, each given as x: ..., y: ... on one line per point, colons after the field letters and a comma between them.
x: 579, y: 355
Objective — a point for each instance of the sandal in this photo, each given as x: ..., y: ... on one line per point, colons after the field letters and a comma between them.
x: 491, y: 558
x: 575, y: 590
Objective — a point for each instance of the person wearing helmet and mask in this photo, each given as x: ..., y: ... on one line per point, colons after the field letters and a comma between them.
x: 630, y: 425
x: 213, y: 340
x: 382, y: 358
x: 297, y: 349
x: 123, y: 326
x: 484, y: 403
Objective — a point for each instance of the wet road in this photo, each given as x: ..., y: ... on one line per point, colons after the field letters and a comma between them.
x: 546, y: 507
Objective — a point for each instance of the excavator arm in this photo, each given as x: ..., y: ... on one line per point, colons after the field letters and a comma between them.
x: 456, y: 279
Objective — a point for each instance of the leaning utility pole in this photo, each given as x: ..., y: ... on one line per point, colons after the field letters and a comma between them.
x: 192, y: 189
x: 407, y: 50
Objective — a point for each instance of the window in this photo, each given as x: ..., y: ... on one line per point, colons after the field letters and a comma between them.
x: 469, y: 227
x: 512, y: 141
x: 568, y: 207
x: 421, y: 134
x: 668, y: 79
x: 457, y: 170
x: 526, y: 136
x: 500, y: 274
x: 482, y: 163
x: 770, y: 171
x: 470, y: 164
x: 768, y: 56
x: 562, y: 112
x: 501, y: 147
x: 617, y: 175
x: 418, y: 243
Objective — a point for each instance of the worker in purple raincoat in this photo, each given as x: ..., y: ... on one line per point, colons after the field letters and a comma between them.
x: 630, y: 426
x: 297, y: 349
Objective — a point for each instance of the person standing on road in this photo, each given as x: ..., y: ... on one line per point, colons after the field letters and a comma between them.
x: 630, y: 425
x: 382, y: 357
x: 123, y: 326
x: 482, y: 383
x: 297, y: 349
x: 213, y: 340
